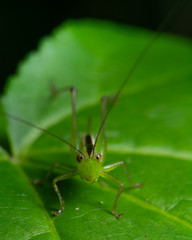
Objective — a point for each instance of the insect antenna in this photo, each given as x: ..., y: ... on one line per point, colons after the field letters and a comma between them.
x: 43, y: 130
x: 170, y: 16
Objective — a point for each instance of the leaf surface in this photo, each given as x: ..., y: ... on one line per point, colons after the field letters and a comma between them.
x: 149, y: 128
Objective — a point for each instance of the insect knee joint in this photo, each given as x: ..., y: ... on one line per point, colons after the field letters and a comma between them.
x: 73, y: 89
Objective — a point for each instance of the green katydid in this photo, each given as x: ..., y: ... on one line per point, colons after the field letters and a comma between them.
x: 90, y: 157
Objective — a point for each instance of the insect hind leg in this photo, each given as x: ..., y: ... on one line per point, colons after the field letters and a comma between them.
x: 101, y: 144
x: 104, y: 173
x: 111, y: 167
x: 57, y: 179
x: 55, y: 91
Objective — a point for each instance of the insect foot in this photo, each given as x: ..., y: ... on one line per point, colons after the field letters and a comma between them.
x: 56, y: 213
x: 118, y: 216
x: 38, y: 182
x: 137, y: 185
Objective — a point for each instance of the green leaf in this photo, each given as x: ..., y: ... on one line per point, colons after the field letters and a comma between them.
x: 21, y: 215
x: 149, y: 128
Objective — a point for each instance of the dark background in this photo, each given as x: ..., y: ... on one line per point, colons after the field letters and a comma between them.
x: 22, y: 23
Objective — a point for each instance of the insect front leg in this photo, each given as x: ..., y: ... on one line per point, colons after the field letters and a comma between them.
x: 105, y: 174
x: 74, y: 140
x: 108, y: 176
x: 55, y: 164
x: 57, y: 179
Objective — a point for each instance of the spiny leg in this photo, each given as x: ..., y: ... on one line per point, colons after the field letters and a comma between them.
x: 102, y: 141
x: 74, y: 131
x: 57, y: 179
x: 55, y: 164
x: 73, y: 140
x: 108, y: 176
x: 103, y: 110
x: 111, y: 167
x: 55, y: 91
x: 105, y: 174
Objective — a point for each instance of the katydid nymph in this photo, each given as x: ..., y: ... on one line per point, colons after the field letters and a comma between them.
x: 90, y: 155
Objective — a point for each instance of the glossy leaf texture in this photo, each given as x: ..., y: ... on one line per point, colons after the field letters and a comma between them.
x: 149, y: 128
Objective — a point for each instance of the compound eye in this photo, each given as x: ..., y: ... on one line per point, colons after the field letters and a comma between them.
x: 99, y: 157
x: 79, y: 157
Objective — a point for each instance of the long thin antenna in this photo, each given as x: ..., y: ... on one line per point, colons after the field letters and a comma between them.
x: 41, y: 129
x: 179, y: 5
